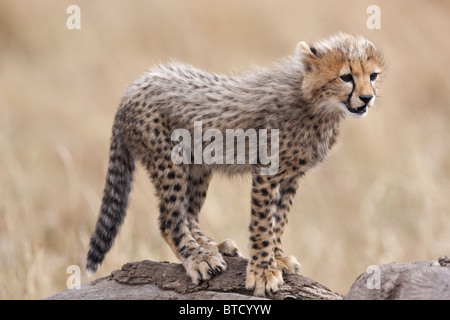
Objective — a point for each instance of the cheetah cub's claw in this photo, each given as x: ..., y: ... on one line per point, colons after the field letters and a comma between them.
x: 203, y: 265
x: 288, y: 265
x: 263, y: 281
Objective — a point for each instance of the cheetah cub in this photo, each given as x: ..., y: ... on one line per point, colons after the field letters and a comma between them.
x: 302, y: 98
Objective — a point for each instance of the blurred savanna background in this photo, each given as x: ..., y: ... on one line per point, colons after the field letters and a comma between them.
x: 382, y: 195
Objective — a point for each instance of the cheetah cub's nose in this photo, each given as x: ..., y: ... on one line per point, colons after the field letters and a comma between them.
x: 366, y: 99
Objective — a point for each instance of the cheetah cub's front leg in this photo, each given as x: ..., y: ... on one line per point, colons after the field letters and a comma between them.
x: 266, y: 264
x: 288, y: 189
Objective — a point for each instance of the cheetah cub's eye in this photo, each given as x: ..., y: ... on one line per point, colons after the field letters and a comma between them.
x: 373, y: 76
x: 346, y: 77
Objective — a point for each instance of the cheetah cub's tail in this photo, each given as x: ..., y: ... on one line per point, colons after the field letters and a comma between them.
x: 119, y: 180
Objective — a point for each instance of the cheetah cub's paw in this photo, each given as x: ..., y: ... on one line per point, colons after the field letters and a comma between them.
x: 263, y: 281
x: 229, y: 248
x: 288, y: 265
x: 203, y: 265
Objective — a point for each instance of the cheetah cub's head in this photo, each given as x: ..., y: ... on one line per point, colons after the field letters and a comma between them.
x: 341, y: 74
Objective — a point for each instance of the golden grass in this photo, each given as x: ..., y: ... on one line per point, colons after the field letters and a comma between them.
x: 381, y: 196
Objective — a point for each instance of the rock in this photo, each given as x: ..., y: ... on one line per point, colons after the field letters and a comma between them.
x: 410, y: 280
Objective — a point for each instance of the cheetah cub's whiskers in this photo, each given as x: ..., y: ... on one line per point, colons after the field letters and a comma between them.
x: 303, y: 98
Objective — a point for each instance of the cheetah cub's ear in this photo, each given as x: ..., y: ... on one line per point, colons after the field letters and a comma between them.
x: 303, y: 49
x: 307, y: 55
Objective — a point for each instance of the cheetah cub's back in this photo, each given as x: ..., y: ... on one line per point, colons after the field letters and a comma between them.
x: 276, y: 123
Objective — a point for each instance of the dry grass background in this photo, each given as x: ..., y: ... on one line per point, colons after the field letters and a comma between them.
x: 381, y: 196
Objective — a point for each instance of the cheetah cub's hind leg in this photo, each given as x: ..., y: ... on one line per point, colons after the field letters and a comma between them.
x: 201, y: 260
x: 197, y: 186
x: 196, y: 189
x: 229, y: 248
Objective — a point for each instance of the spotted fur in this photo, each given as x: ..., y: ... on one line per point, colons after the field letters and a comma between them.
x: 304, y: 96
